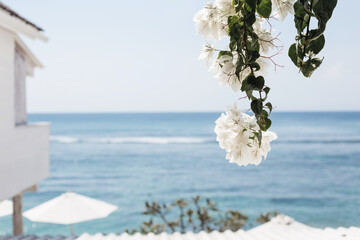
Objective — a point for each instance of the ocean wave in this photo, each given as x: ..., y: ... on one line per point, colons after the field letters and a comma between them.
x: 185, y: 140
x: 319, y: 141
x: 122, y: 140
x: 64, y: 139
x: 155, y: 140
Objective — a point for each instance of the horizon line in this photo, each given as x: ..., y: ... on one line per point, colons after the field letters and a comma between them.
x: 174, y: 112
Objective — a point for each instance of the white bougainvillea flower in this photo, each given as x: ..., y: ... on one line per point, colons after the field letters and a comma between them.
x: 207, y: 53
x: 266, y: 40
x: 224, y: 69
x: 283, y: 8
x: 258, y: 25
x: 211, y: 21
x: 264, y: 66
x: 207, y: 22
x: 235, y: 133
x: 225, y: 7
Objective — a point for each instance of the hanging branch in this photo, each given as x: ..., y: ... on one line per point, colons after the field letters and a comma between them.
x: 310, y: 42
x: 242, y: 66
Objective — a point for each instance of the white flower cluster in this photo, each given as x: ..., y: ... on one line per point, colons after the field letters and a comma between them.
x: 266, y: 39
x: 211, y: 22
x: 235, y: 133
x: 283, y: 7
x: 224, y: 69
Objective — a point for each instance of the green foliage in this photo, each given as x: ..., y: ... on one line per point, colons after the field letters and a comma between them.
x: 292, y: 54
x: 246, y: 43
x: 264, y: 218
x: 310, y: 42
x: 264, y: 8
x: 244, y: 62
x: 195, y: 215
x: 256, y: 83
x: 256, y: 106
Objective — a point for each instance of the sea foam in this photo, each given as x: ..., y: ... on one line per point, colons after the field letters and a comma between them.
x: 121, y: 140
x: 64, y: 139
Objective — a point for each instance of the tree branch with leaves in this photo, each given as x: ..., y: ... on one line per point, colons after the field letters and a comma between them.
x: 195, y: 215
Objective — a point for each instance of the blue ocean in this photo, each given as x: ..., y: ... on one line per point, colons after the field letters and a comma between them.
x: 312, y: 173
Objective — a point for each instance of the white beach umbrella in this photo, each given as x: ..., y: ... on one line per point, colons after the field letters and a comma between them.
x: 70, y: 208
x: 6, y: 208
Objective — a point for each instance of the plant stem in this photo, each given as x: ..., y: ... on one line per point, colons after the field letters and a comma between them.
x: 307, y: 29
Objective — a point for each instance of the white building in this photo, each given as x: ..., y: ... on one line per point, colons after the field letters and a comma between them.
x: 280, y: 227
x: 24, y: 148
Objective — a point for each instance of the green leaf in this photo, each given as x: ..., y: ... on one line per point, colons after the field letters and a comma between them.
x: 317, y: 45
x: 232, y: 20
x: 267, y: 90
x: 310, y: 66
x: 264, y: 113
x: 222, y: 53
x: 315, y: 33
x: 237, y: 5
x: 251, y: 4
x: 262, y: 124
x: 299, y: 16
x: 249, y: 94
x: 323, y: 10
x: 256, y: 83
x: 244, y: 85
x: 235, y: 29
x: 258, y: 135
x: 292, y: 54
x: 256, y: 106
x: 250, y: 19
x: 269, y: 106
x: 247, y: 89
x: 267, y: 123
x: 264, y: 8
x: 254, y: 55
x: 324, y: 6
x: 232, y: 44
x: 255, y: 65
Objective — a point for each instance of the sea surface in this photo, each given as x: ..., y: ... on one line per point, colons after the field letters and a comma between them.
x: 312, y: 173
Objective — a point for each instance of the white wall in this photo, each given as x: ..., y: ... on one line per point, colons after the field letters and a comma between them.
x: 24, y: 158
x: 7, y: 54
x: 20, y: 87
x: 24, y: 150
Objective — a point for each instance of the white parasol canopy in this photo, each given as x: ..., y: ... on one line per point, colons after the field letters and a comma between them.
x: 70, y: 208
x: 6, y: 208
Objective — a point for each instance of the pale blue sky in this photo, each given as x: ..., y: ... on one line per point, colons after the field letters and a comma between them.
x: 131, y: 56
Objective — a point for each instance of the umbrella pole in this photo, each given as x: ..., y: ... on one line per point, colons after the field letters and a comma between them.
x: 17, y: 215
x: 71, y: 229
